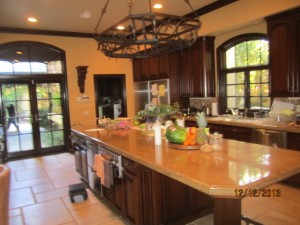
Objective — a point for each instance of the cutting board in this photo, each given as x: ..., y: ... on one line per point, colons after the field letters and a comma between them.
x: 279, y: 106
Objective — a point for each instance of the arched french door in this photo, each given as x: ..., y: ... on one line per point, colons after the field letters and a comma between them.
x: 33, y: 91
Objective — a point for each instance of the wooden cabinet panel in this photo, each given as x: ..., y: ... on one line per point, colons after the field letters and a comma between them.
x: 153, y: 68
x: 293, y: 141
x: 232, y: 132
x: 136, y: 68
x: 284, y: 34
x: 163, y: 66
x: 203, y: 68
x: 185, y: 76
x: 174, y: 70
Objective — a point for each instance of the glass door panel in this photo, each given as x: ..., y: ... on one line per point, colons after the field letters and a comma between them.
x: 50, y: 115
x: 17, y: 117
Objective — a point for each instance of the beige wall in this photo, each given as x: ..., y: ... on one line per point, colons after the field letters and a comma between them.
x: 82, y: 52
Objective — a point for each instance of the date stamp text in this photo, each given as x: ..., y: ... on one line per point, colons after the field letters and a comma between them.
x: 265, y: 192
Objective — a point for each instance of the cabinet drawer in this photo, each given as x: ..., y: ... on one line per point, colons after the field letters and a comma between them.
x: 129, y: 166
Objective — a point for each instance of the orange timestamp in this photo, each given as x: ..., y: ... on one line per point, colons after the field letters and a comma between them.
x: 265, y: 192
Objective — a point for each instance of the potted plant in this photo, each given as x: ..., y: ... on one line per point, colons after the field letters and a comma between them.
x: 153, y: 112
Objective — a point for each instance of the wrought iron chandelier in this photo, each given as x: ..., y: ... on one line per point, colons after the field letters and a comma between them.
x: 148, y: 34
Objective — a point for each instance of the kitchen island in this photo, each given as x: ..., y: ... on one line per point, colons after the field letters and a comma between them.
x: 227, y: 175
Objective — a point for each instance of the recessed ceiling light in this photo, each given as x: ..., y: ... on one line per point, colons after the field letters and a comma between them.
x: 32, y: 19
x: 86, y: 14
x: 19, y: 52
x: 157, y: 6
x: 120, y: 27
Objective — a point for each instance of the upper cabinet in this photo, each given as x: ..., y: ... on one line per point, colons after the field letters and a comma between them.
x: 191, y: 71
x: 284, y: 39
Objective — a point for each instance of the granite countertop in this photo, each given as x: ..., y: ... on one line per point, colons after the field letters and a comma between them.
x: 238, y: 165
x: 265, y: 123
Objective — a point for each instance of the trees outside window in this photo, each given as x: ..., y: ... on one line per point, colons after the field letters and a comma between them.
x: 243, y: 65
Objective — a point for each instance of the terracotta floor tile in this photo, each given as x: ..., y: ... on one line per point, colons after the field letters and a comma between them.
x: 47, y: 213
x: 42, y: 188
x: 17, y: 220
x: 21, y: 197
x: 14, y: 212
x: 62, y: 172
x: 31, y: 173
x: 15, y: 165
x: 93, y: 214
x: 29, y: 183
x: 83, y: 203
x: 65, y: 181
x: 51, y: 195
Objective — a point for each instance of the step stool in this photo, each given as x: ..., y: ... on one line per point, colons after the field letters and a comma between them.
x: 77, y: 189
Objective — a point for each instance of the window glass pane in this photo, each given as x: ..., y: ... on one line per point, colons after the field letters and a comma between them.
x: 264, y: 75
x: 255, y: 90
x: 255, y: 76
x: 254, y: 56
x: 38, y: 67
x: 6, y: 67
x: 240, y: 90
x: 266, y: 103
x: 241, y: 55
x: 231, y: 90
x: 264, y: 52
x: 230, y: 58
x: 240, y: 103
x: 58, y: 138
x: 235, y: 78
x: 265, y: 90
x: 255, y: 103
x: 231, y: 102
x: 22, y: 67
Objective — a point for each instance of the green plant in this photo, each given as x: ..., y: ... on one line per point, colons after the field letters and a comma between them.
x: 158, y: 110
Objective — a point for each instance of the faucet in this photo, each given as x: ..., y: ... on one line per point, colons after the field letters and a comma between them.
x: 235, y: 112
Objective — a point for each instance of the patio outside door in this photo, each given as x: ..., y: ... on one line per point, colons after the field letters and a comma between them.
x: 33, y: 118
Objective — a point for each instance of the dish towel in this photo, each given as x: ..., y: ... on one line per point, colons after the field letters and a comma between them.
x: 104, y: 170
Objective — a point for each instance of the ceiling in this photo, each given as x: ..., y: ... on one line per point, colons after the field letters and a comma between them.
x: 82, y: 15
x: 79, y: 17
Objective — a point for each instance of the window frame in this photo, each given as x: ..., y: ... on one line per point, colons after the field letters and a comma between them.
x: 222, y: 70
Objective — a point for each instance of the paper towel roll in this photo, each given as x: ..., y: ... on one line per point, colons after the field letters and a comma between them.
x: 214, y: 109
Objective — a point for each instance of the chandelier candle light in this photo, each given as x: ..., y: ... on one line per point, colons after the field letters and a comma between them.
x: 148, y: 34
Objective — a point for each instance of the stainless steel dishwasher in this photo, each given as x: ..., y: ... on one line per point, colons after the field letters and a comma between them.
x: 269, y: 137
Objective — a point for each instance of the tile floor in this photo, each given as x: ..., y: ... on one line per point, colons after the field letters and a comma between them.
x: 39, y: 196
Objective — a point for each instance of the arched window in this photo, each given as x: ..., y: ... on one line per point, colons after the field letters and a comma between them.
x: 243, y: 65
x: 30, y: 58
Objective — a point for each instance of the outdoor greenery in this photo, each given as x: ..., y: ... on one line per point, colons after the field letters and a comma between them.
x: 251, y: 82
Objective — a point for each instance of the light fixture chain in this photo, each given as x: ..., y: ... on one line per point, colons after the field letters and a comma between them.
x: 189, y: 4
x: 103, y: 11
x: 130, y: 5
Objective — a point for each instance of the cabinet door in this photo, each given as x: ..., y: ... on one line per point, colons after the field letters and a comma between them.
x: 281, y: 57
x: 131, y: 192
x: 174, y: 70
x: 232, y: 132
x: 185, y: 76
x: 297, y: 57
x: 136, y: 67
x: 203, y: 68
x: 145, y: 68
x: 175, y: 200
x: 153, y: 67
x: 163, y: 68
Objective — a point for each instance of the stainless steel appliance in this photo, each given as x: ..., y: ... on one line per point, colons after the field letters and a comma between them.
x: 93, y: 179
x: 80, y: 152
x: 269, y: 137
x: 155, y: 91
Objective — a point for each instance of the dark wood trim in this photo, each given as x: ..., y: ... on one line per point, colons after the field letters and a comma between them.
x: 211, y: 7
x: 45, y: 32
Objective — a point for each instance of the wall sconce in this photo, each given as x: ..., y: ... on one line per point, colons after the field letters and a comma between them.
x: 81, y: 75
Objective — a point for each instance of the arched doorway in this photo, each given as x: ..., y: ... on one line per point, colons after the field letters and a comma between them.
x: 34, y: 106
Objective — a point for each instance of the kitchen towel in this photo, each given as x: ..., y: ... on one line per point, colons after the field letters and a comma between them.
x: 104, y: 170
x: 214, y: 109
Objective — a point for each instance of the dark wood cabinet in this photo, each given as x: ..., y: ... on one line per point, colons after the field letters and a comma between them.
x: 203, y: 59
x: 284, y: 39
x: 191, y: 71
x: 232, y: 132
